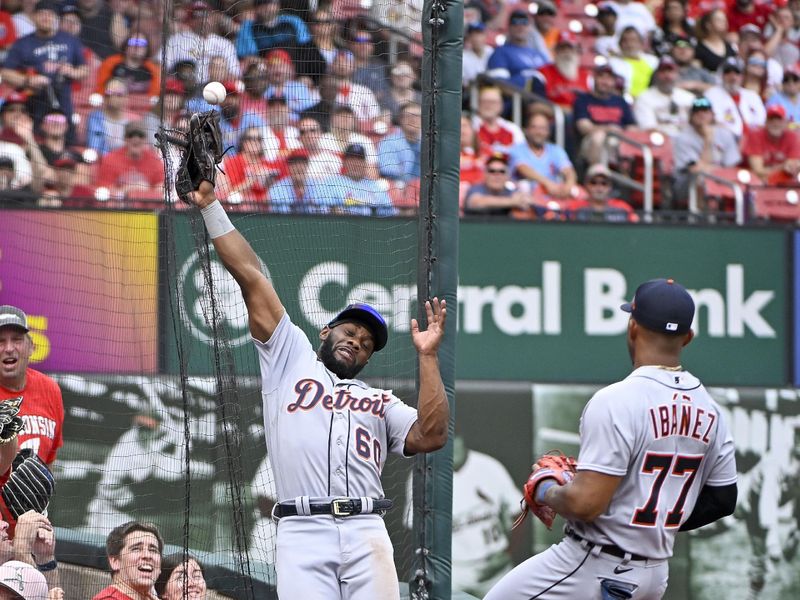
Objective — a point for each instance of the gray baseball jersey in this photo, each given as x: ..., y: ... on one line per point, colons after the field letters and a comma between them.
x: 326, y: 437
x: 665, y: 436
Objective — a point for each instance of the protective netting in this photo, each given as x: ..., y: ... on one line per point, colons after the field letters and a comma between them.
x: 130, y: 310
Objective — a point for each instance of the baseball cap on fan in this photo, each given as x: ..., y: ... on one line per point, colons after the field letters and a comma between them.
x: 24, y: 580
x: 662, y: 306
x: 11, y: 316
x: 369, y: 317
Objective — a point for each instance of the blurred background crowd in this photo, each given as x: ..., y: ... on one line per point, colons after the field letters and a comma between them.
x: 572, y: 110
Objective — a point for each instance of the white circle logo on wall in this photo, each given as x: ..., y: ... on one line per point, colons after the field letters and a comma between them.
x: 230, y: 304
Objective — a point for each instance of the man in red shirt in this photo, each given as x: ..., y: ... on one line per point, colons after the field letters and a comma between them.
x: 742, y: 12
x: 134, y: 555
x: 773, y: 151
x: 134, y: 171
x: 495, y: 134
x: 565, y: 77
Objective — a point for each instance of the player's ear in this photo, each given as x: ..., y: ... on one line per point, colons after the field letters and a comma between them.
x: 688, y: 337
x: 324, y: 333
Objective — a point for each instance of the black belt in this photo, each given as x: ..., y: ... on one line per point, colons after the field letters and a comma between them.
x: 338, y: 507
x: 608, y: 548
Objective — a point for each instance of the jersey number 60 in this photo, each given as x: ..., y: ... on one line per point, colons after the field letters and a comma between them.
x: 366, y: 450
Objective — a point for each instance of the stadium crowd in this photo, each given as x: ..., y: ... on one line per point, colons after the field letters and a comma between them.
x: 323, y: 106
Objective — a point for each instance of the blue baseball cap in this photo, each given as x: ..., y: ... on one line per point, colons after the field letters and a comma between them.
x: 663, y: 306
x: 367, y: 316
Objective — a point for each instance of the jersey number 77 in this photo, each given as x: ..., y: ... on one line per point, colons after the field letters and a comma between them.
x: 663, y: 465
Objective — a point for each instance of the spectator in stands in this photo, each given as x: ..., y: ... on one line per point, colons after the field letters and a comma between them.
x: 354, y: 95
x: 735, y: 107
x: 171, y: 104
x: 634, y: 14
x: 106, y: 126
x: 597, y: 205
x: 496, y: 195
x: 247, y: 175
x: 675, y: 25
x: 607, y: 42
x: 270, y: 29
x: 599, y: 112
x: 283, y: 82
x: 133, y: 66
x: 691, y: 77
x: 402, y: 88
x: 352, y: 192
x: 634, y: 65
x: 198, y: 43
x: 217, y: 70
x: 134, y: 171
x: 399, y: 151
x: 323, y: 155
x: 23, y: 18
x: 495, y: 134
x: 324, y: 30
x: 542, y: 163
x: 701, y: 146
x: 66, y: 184
x: 789, y: 96
x: 46, y: 62
x: 254, y: 81
x: 782, y: 36
x: 771, y: 71
x: 53, y: 137
x: 476, y: 53
x: 344, y: 132
x: 181, y: 578
x: 8, y: 34
x: 755, y: 76
x: 470, y: 164
x: 104, y: 27
x: 322, y: 110
x: 773, y: 151
x: 297, y: 192
x: 18, y: 143
x: 664, y: 107
x: 747, y: 12
x: 712, y: 46
x: 232, y: 122
x: 280, y: 136
x: 134, y: 555
x: 368, y: 70
x: 14, y: 193
x: 515, y: 60
x: 565, y: 77
x: 544, y: 34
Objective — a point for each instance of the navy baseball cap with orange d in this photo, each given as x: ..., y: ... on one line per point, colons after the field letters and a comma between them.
x: 11, y: 316
x: 367, y: 316
x: 662, y: 306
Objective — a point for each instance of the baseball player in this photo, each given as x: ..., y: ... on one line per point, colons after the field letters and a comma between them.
x: 656, y: 457
x: 328, y: 434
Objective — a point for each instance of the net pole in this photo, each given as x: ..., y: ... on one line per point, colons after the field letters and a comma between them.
x: 442, y: 29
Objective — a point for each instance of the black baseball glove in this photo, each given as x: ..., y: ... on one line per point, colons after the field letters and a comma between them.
x: 201, y: 151
x: 10, y: 423
x: 30, y: 485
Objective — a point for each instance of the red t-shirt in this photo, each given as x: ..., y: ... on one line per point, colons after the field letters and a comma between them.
x: 488, y: 141
x: 42, y: 411
x: 561, y: 90
x: 111, y: 593
x: 238, y: 170
x: 8, y: 34
x: 737, y: 19
x: 773, y: 151
x: 118, y: 168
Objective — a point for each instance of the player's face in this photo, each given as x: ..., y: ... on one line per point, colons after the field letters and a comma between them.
x: 139, y: 562
x: 186, y: 581
x: 346, y: 348
x: 15, y: 353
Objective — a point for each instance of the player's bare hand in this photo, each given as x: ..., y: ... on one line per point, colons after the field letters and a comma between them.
x: 204, y: 195
x: 427, y: 342
x: 55, y: 593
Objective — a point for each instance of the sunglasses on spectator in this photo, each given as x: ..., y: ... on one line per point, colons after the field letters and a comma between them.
x: 791, y: 79
x: 137, y: 42
x: 599, y: 181
x: 757, y: 62
x: 134, y: 134
x: 497, y: 171
x: 309, y: 129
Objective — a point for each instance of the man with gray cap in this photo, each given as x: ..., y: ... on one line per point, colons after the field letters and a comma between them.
x: 656, y: 457
x: 328, y: 434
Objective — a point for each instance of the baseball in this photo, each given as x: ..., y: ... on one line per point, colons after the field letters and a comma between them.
x: 214, y: 92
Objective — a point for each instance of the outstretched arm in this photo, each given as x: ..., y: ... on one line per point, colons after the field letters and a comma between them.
x: 264, y: 308
x: 429, y: 433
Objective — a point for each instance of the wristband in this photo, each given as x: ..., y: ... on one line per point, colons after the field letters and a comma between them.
x: 216, y: 219
x: 48, y: 566
x: 542, y: 488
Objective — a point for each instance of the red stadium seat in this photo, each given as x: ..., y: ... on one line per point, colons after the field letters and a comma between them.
x: 631, y: 160
x: 775, y: 204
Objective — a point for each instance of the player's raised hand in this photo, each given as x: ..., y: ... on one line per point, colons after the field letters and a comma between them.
x: 203, y: 196
x: 427, y: 342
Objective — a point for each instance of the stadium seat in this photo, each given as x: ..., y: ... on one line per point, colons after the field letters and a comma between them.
x: 775, y: 204
x: 631, y: 160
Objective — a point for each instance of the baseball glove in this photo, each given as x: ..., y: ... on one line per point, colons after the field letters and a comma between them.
x: 30, y: 485
x: 201, y: 151
x: 551, y: 465
x: 10, y: 423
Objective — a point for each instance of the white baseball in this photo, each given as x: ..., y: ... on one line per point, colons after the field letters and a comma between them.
x: 214, y: 92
